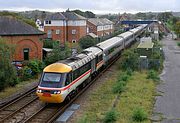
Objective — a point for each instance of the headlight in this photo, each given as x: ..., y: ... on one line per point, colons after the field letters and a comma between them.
x: 39, y: 91
x: 57, y: 92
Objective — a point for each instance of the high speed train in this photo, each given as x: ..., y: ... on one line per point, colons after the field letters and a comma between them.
x: 60, y: 80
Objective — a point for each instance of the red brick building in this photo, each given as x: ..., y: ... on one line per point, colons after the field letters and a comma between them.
x: 65, y: 26
x: 24, y: 37
x: 100, y: 26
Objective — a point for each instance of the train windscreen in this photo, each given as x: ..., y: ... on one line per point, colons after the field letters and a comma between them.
x: 53, y: 80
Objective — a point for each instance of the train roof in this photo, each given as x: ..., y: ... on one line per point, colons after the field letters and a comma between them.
x: 110, y: 43
x: 94, y: 50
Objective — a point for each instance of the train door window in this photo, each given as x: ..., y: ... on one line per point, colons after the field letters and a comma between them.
x: 96, y: 59
x: 68, y: 79
x: 26, y: 53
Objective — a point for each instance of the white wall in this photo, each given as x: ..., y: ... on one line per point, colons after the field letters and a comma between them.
x: 56, y: 23
x: 77, y: 23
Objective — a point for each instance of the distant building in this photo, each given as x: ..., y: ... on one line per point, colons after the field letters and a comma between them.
x: 100, y: 26
x: 25, y: 38
x: 65, y: 26
x: 40, y: 24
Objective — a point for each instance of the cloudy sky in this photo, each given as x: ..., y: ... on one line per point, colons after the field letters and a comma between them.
x: 97, y: 6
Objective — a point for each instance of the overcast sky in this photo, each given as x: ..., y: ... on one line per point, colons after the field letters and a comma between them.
x: 97, y: 6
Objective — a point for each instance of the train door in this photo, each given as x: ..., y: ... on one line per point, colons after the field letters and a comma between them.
x: 93, y: 65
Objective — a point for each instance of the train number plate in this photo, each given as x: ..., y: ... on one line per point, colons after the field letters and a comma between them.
x: 47, y: 94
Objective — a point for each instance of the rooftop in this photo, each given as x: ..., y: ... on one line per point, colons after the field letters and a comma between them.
x: 12, y: 26
x: 100, y: 21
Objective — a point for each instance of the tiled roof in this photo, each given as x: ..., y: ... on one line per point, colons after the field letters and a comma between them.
x: 73, y: 16
x: 100, y: 21
x: 56, y: 16
x: 12, y: 26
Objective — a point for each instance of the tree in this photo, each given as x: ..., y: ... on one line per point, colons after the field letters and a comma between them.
x: 177, y: 28
x: 8, y: 75
x: 58, y: 53
x: 165, y: 16
x: 87, y: 41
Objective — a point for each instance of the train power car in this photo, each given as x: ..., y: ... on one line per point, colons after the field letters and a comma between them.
x: 61, y: 80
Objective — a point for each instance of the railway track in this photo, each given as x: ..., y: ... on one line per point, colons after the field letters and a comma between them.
x: 28, y: 109
x: 16, y: 107
x: 50, y: 112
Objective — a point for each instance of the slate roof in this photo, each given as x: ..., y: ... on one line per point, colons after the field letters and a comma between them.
x: 73, y: 16
x: 12, y: 26
x: 65, y: 16
x: 56, y: 16
x: 100, y: 21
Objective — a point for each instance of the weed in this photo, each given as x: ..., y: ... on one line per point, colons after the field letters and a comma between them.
x: 139, y: 114
x: 153, y: 75
x: 119, y: 87
x: 111, y: 116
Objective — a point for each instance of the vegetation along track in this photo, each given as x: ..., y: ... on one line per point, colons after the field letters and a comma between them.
x: 50, y: 112
x: 28, y: 109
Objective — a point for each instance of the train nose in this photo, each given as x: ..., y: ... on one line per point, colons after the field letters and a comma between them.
x: 50, y: 98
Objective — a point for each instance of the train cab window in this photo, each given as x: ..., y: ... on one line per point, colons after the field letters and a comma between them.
x: 52, y: 77
x: 53, y: 80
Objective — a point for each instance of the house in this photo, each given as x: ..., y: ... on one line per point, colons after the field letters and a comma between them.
x: 100, y: 26
x: 24, y: 37
x: 65, y: 26
x: 39, y: 24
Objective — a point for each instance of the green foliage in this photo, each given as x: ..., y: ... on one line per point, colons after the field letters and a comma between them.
x: 129, y: 60
x: 58, y: 53
x: 178, y: 43
x: 139, y: 114
x: 153, y: 75
x: 25, y: 73
x: 86, y: 14
x: 165, y: 16
x: 119, y: 87
x: 111, y: 116
x: 8, y: 75
x: 177, y: 28
x: 87, y: 41
x: 36, y: 66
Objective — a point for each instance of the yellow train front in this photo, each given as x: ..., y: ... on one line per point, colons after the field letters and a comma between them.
x: 52, y: 87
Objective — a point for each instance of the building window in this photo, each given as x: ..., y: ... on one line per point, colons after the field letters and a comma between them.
x: 57, y: 32
x: 26, y: 53
x: 73, y: 31
x: 48, y: 22
x: 49, y: 34
x: 73, y: 41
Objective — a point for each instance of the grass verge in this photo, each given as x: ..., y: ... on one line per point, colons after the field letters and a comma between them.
x: 11, y: 90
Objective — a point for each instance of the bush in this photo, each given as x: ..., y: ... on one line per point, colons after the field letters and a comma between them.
x: 178, y: 44
x: 129, y: 60
x: 58, y: 53
x: 139, y: 115
x: 87, y: 41
x: 153, y: 75
x: 119, y: 87
x: 8, y: 74
x: 111, y: 116
x: 129, y: 72
x: 36, y: 66
x: 26, y: 73
x: 124, y: 77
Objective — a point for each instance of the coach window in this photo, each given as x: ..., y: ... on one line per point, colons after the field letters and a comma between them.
x: 26, y: 53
